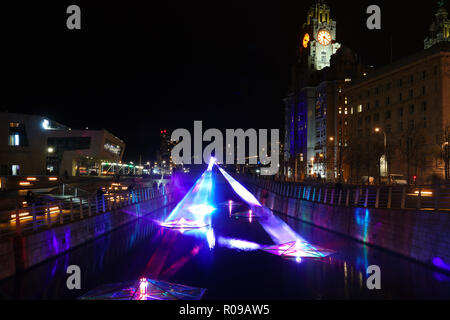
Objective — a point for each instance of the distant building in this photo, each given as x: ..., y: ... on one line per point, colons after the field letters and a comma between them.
x: 36, y: 145
x: 439, y: 29
x: 165, y: 153
x: 408, y: 102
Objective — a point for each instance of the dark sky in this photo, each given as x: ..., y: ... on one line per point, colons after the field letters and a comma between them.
x: 137, y: 67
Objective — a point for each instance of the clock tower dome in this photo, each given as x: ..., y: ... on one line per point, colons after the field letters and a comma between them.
x: 319, y: 37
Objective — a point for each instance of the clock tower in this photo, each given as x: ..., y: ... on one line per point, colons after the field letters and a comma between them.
x: 318, y: 37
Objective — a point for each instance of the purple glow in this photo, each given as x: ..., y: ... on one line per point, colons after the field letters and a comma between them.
x: 438, y: 262
x: 240, y: 190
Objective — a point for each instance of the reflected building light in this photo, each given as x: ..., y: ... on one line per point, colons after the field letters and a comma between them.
x: 238, y: 244
x: 211, y: 238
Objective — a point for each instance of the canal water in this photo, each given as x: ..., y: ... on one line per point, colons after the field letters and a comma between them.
x: 225, y: 262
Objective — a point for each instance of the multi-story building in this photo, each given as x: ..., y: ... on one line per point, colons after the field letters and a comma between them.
x: 315, y: 105
x: 36, y: 145
x: 400, y: 114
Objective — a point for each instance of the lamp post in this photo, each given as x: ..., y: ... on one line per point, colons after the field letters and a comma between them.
x: 445, y: 155
x: 378, y: 130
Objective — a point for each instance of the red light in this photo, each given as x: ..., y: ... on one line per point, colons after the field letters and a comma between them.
x: 415, y: 177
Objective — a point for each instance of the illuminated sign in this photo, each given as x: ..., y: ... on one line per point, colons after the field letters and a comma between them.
x: 112, y: 148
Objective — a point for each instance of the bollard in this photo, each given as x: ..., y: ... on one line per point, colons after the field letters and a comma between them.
x: 402, y: 205
x: 347, y: 199
x: 332, y: 197
x: 48, y: 215
x: 71, y: 209
x: 389, y: 198
x: 419, y: 199
x: 340, y: 197
x: 18, y: 227
x: 325, y: 200
x: 103, y: 203
x: 89, y: 207
x: 33, y: 212
x: 81, y: 208
x: 377, y: 199
x: 437, y: 196
x: 357, y: 191
x: 96, y: 205
x: 61, y: 218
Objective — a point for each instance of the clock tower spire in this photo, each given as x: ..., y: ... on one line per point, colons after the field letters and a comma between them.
x: 440, y: 27
x: 319, y: 37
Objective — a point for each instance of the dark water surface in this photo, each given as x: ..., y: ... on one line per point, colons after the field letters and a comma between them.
x: 143, y: 248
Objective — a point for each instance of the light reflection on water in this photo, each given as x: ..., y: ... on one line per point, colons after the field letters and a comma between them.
x: 224, y: 259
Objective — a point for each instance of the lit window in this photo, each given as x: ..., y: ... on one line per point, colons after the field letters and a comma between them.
x: 14, y: 139
x: 360, y: 108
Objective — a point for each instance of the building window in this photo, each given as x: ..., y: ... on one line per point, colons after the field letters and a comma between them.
x: 423, y: 91
x: 387, y: 115
x: 376, y: 117
x: 400, y: 126
x: 368, y: 105
x: 400, y: 97
x: 377, y: 104
x: 400, y: 83
x: 411, y: 109
x: 424, y: 122
x: 368, y: 119
x: 411, y: 124
x: 411, y: 78
x: 388, y: 86
x: 360, y: 108
x: 424, y: 106
x: 15, y: 170
x: 424, y: 75
x: 411, y: 93
x: 388, y: 128
x: 17, y: 135
x: 388, y: 100
x: 400, y: 112
x: 14, y: 139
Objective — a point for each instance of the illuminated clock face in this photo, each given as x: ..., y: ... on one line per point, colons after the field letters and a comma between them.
x: 306, y: 41
x: 324, y: 37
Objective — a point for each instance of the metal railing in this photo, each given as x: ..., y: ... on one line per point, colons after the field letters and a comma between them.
x: 32, y: 218
x: 432, y: 197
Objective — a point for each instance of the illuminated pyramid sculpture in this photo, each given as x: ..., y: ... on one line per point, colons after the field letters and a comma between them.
x: 194, y: 210
x: 298, y: 249
x: 144, y: 289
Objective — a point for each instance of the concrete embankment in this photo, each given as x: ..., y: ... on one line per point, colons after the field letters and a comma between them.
x: 26, y: 251
x: 421, y: 235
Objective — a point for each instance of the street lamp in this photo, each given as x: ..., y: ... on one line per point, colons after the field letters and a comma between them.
x: 378, y: 130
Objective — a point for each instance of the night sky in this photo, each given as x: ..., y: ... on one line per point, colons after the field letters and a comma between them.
x: 137, y: 67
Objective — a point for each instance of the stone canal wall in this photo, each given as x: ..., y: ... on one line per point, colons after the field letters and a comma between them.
x: 420, y: 235
x: 7, y: 261
x: 32, y: 249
